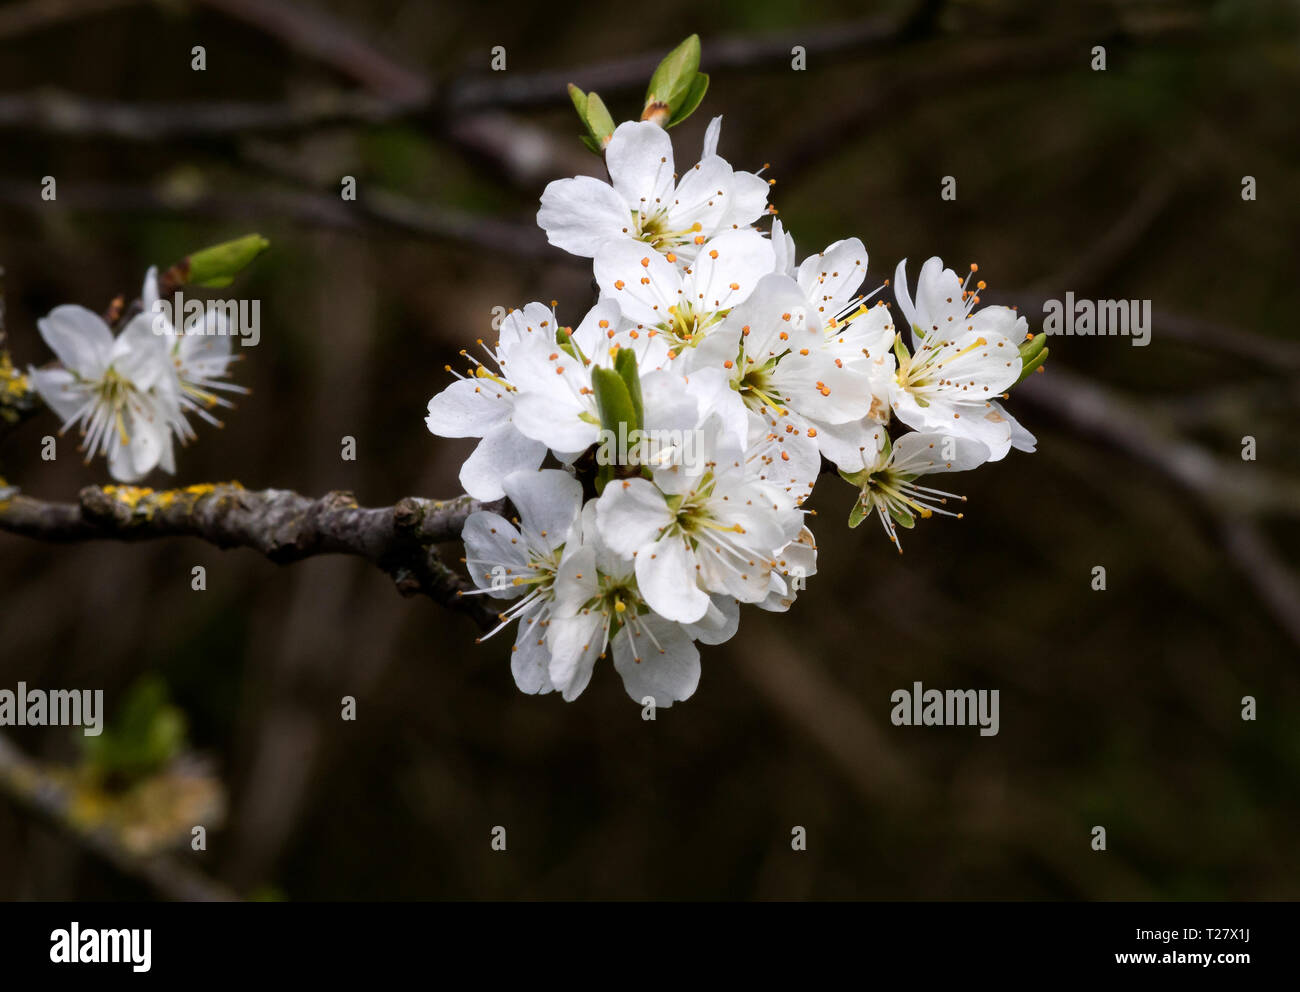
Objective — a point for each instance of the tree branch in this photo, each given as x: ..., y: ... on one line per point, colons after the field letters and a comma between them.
x: 280, y: 524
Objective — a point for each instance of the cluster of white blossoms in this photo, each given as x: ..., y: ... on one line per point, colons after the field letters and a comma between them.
x: 131, y: 395
x: 658, y: 455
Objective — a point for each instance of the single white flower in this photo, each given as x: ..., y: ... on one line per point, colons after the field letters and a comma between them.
x: 686, y: 304
x: 119, y: 392
x: 719, y: 532
x: 509, y: 562
x: 597, y: 602
x: 889, y: 486
x: 962, y: 361
x: 481, y: 404
x: 943, y: 307
x: 645, y: 204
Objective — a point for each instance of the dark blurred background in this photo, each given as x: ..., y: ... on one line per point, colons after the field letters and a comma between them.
x: 1119, y: 708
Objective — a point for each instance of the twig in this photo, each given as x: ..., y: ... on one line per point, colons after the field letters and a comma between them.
x: 501, y: 90
x: 282, y: 525
x: 373, y: 207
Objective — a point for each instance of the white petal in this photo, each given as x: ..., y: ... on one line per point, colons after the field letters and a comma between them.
x: 140, y: 354
x: 575, y: 644
x: 702, y: 197
x: 630, y: 515
x: 548, y: 503
x: 576, y: 581
x: 665, y: 574
x: 711, y: 135
x: 748, y: 200
x: 530, y: 661
x: 578, y: 214
x: 783, y: 248
x: 78, y: 338
x: 502, y: 451
x: 60, y: 390
x: 642, y: 282
x: 904, y: 297
x: 728, y: 269
x: 495, y: 554
x: 832, y: 278
x: 468, y: 408
x: 639, y: 157
x: 555, y: 421
x: 926, y: 453
x: 658, y: 660
x: 719, y: 623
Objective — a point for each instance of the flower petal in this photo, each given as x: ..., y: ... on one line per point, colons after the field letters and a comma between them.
x: 468, y: 408
x: 665, y: 574
x: 502, y: 451
x: 79, y: 339
x: 657, y: 660
x: 579, y: 214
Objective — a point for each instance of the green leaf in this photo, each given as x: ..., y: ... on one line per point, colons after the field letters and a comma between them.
x: 217, y: 266
x: 691, y: 102
x: 675, y: 76
x: 579, y: 99
x: 625, y: 366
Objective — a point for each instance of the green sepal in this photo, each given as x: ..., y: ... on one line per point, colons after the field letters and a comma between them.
x: 1028, y: 349
x: 856, y: 479
x: 900, y: 349
x: 564, y: 341
x: 1028, y: 367
x: 858, y: 514
x: 902, y: 518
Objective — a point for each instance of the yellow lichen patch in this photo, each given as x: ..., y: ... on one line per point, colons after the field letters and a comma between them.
x: 12, y: 382
x: 145, y: 501
x: 129, y: 495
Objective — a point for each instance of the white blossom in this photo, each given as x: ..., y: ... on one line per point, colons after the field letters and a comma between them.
x: 119, y: 392
x: 645, y: 204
